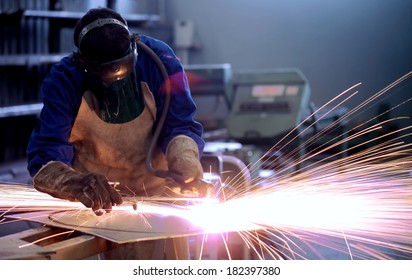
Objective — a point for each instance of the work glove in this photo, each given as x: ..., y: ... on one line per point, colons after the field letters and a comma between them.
x: 93, y: 190
x: 182, y: 155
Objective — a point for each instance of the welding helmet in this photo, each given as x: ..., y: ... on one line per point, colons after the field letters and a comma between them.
x: 117, y: 96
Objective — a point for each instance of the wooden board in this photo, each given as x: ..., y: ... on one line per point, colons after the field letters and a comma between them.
x: 54, y: 243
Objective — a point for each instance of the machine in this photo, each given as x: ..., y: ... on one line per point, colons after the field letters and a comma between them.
x: 255, y: 109
x: 266, y: 105
x: 262, y: 117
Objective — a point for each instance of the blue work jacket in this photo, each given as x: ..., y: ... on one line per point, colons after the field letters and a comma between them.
x: 62, y: 92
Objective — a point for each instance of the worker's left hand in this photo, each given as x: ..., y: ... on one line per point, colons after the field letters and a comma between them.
x: 182, y: 156
x: 93, y: 190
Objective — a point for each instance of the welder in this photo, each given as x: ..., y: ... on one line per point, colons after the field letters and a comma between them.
x: 102, y: 106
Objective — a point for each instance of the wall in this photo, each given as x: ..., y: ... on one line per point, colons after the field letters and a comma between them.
x: 335, y: 43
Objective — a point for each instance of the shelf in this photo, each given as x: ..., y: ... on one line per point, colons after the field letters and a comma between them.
x: 20, y: 110
x: 30, y: 59
x: 134, y: 19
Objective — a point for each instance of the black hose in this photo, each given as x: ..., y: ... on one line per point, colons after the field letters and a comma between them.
x: 199, y: 186
x: 162, y: 119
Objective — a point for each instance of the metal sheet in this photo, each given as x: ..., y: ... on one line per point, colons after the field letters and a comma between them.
x: 120, y: 226
x: 155, y: 218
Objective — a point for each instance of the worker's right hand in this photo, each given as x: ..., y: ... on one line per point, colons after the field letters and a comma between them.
x: 182, y: 155
x: 93, y: 190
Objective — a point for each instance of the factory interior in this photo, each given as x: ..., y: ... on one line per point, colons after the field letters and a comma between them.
x: 260, y: 72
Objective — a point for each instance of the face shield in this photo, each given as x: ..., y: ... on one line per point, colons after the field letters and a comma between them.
x: 117, y: 93
x: 117, y: 96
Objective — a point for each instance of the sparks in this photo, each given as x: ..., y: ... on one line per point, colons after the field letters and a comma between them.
x: 359, y: 204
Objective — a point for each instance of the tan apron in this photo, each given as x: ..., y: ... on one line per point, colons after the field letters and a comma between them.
x: 118, y: 151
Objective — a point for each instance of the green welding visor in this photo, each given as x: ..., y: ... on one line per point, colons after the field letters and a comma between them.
x: 117, y: 96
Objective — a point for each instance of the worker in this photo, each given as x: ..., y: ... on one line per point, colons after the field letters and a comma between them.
x: 102, y: 104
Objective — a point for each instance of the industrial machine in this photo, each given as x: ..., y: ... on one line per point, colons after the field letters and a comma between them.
x: 266, y: 105
x: 252, y: 111
x: 262, y: 117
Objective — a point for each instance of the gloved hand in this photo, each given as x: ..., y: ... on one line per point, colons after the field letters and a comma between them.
x: 182, y: 155
x: 93, y: 190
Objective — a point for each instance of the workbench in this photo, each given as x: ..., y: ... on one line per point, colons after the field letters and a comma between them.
x: 65, y: 233
x: 57, y: 243
x: 29, y: 215
x: 65, y: 245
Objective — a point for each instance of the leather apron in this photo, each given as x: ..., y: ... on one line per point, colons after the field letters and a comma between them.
x: 118, y: 151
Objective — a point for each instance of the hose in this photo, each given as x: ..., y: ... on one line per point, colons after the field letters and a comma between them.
x: 149, y: 158
x: 199, y: 186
